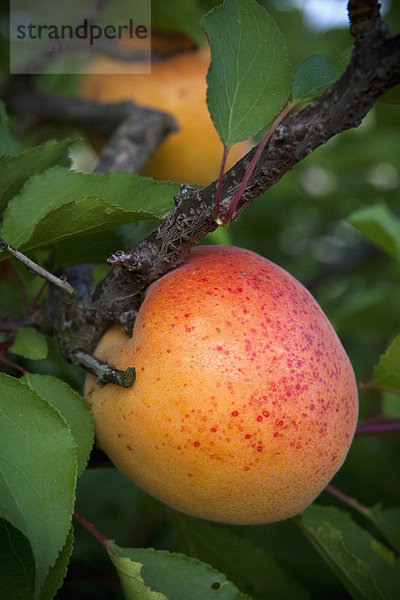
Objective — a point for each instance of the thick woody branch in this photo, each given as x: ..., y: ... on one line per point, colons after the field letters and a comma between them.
x: 373, y: 69
x: 135, y: 140
x: 23, y: 99
x: 10, y: 324
x: 134, y: 131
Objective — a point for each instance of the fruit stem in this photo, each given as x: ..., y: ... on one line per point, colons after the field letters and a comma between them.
x: 260, y: 148
x: 219, y: 185
x: 102, y: 370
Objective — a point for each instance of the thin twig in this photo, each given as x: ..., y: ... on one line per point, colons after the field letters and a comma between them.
x: 32, y: 306
x: 369, y: 428
x: 91, y: 528
x: 286, y: 110
x: 370, y: 385
x: 4, y: 346
x: 352, y: 502
x: 62, y: 284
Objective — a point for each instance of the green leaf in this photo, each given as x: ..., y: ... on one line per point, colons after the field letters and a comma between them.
x: 244, y: 563
x: 367, y: 568
x: 316, y: 73
x: 387, y: 371
x: 16, y: 170
x: 132, y: 582
x: 92, y: 248
x: 11, y: 300
x: 379, y: 225
x: 71, y: 406
x: 57, y: 573
x: 387, y: 521
x: 176, y: 15
x: 17, y: 567
x: 97, y: 247
x: 18, y: 583
x: 38, y: 470
x: 313, y: 76
x: 8, y: 144
x: 177, y: 576
x: 64, y: 204
x: 30, y: 343
x: 117, y: 509
x: 249, y: 79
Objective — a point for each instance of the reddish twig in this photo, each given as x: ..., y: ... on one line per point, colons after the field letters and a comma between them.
x: 348, y: 500
x: 374, y: 428
x: 260, y: 149
x: 91, y: 528
x: 31, y: 306
x: 4, y: 346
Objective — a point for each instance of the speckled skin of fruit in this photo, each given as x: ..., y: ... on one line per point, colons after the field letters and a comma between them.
x: 245, y: 402
x: 176, y: 85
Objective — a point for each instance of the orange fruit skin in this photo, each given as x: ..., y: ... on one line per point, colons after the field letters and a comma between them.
x: 176, y: 85
x: 245, y: 402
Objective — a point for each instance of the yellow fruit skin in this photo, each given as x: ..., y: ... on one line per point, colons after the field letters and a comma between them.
x: 176, y: 85
x: 245, y: 402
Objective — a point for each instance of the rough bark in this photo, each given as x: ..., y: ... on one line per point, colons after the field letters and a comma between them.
x: 374, y: 68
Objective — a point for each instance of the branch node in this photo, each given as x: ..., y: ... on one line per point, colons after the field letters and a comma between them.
x: 127, y: 260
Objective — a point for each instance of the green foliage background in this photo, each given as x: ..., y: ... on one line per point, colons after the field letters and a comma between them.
x: 303, y: 224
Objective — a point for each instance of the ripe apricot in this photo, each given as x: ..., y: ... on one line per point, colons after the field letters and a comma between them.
x: 245, y: 402
x: 176, y: 85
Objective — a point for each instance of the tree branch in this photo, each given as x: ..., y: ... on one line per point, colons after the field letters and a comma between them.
x: 373, y: 69
x: 135, y: 140
x: 134, y: 131
x: 369, y: 428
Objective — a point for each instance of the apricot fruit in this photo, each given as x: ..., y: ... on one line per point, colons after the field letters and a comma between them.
x: 176, y: 85
x: 245, y: 402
